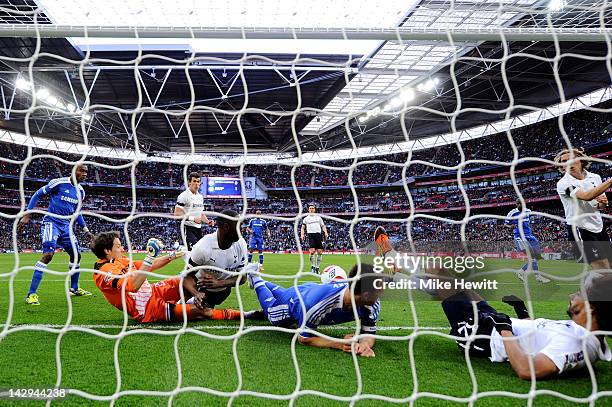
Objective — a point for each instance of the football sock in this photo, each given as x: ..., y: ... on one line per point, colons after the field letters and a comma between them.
x: 525, y: 266
x: 261, y: 258
x: 318, y: 262
x: 225, y: 314
x: 250, y: 257
x: 74, y: 278
x: 177, y: 312
x: 39, y: 270
x: 535, y: 267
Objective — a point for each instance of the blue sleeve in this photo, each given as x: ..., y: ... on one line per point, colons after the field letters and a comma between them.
x: 369, y: 317
x: 37, y: 195
x: 81, y: 221
x: 265, y: 224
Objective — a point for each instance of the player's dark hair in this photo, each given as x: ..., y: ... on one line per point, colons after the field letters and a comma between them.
x: 599, y: 295
x: 368, y: 280
x: 193, y: 175
x: 103, y: 241
x: 230, y: 214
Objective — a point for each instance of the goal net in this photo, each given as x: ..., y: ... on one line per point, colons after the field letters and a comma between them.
x: 430, y: 119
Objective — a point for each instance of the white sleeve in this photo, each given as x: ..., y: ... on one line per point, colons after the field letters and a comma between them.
x: 599, y: 181
x: 199, y: 256
x: 181, y: 200
x: 565, y: 188
x: 321, y: 221
x: 565, y: 352
x: 244, y: 252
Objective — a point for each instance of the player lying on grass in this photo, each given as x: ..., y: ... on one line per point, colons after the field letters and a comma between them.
x: 64, y: 195
x: 145, y: 302
x: 550, y: 346
x: 324, y: 304
x: 525, y: 241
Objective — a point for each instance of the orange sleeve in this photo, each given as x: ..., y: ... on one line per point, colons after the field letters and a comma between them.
x: 112, y: 279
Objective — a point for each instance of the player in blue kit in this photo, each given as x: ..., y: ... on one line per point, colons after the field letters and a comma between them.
x: 256, y: 228
x: 525, y: 241
x: 324, y: 304
x: 64, y: 197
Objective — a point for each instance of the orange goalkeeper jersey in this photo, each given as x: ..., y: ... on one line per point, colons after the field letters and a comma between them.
x: 109, y: 281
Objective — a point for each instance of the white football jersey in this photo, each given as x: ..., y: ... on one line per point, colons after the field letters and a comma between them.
x: 579, y: 213
x: 313, y: 222
x: 206, y: 252
x: 560, y: 341
x: 192, y: 204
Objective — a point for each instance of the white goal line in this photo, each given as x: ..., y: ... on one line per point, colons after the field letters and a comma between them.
x: 209, y: 327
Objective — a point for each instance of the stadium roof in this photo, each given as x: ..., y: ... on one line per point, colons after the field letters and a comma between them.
x: 338, y: 91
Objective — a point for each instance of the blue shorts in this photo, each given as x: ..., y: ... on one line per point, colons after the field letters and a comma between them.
x: 57, y: 234
x: 529, y: 243
x: 256, y: 243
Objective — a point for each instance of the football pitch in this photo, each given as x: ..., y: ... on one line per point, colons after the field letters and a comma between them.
x: 199, y: 366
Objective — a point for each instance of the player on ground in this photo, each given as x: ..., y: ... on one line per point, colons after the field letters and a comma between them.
x: 256, y: 228
x: 583, y: 195
x: 190, y: 203
x: 313, y: 225
x: 64, y: 195
x: 122, y: 282
x: 324, y: 304
x: 215, y: 263
x: 554, y: 346
x: 525, y: 241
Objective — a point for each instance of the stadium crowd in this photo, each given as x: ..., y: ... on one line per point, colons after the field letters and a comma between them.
x: 542, y: 140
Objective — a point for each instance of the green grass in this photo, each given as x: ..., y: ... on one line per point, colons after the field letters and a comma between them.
x: 208, y: 373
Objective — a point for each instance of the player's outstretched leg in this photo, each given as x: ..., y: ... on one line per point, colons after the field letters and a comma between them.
x: 269, y: 295
x: 39, y: 271
x: 74, y: 267
x: 261, y: 257
x: 250, y: 256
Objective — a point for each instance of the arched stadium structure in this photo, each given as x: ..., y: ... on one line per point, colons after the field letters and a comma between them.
x: 382, y: 189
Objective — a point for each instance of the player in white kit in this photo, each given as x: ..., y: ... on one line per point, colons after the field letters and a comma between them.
x: 216, y: 261
x: 313, y: 225
x: 583, y: 196
x: 190, y: 204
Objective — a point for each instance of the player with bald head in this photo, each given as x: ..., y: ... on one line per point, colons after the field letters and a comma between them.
x: 65, y: 196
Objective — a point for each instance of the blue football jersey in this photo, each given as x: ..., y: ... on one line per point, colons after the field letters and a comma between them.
x: 63, y: 200
x: 513, y: 219
x: 258, y: 226
x: 323, y: 306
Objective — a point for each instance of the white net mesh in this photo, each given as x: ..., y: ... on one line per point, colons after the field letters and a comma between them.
x: 398, y: 112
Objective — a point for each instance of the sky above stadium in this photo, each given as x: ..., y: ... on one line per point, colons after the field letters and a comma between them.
x: 230, y: 13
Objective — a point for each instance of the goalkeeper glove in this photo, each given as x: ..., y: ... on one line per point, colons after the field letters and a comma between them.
x: 518, y: 305
x: 154, y: 248
x: 179, y: 251
x: 501, y: 322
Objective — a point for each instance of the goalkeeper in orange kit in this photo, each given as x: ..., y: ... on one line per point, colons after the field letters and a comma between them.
x: 124, y: 283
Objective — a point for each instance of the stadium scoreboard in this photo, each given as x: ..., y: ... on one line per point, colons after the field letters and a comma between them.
x: 227, y: 187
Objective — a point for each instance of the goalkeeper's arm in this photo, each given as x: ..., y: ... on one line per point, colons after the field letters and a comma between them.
x: 153, y: 262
